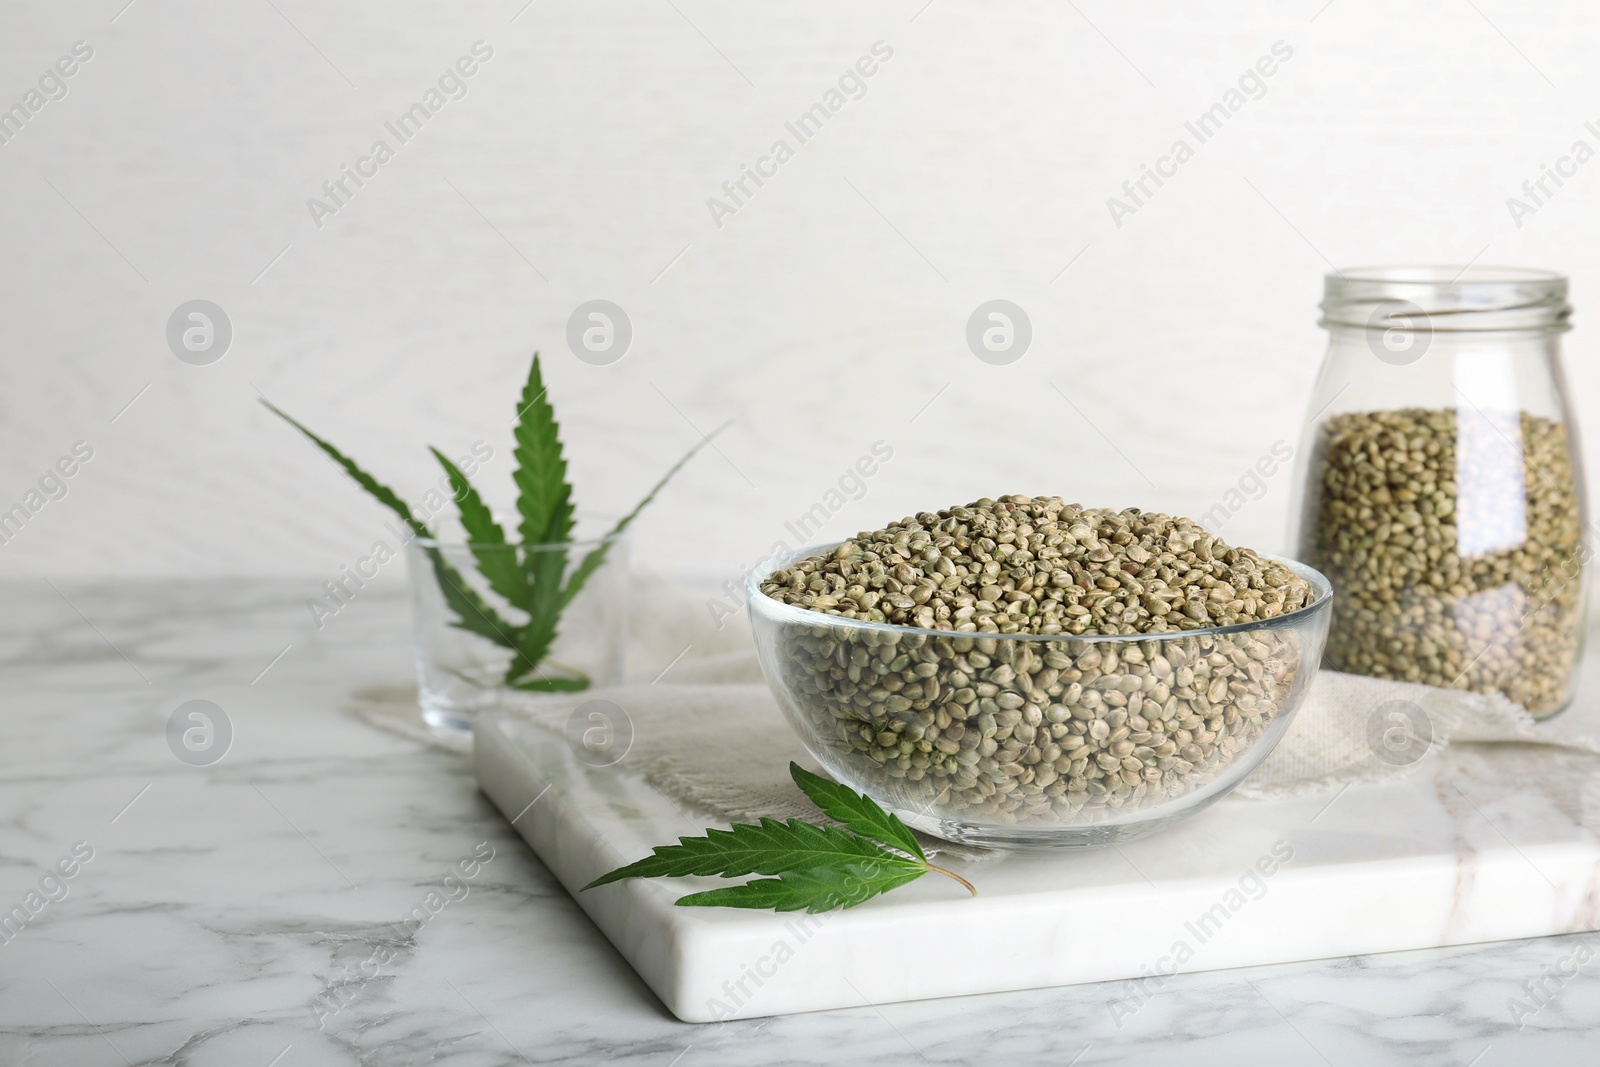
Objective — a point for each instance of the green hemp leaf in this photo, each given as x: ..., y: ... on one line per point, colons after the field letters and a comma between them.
x: 532, y: 577
x: 817, y: 868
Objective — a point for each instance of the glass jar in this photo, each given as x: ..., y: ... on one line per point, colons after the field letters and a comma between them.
x: 1438, y: 483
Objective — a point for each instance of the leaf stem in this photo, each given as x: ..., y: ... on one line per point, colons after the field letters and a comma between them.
x: 952, y: 874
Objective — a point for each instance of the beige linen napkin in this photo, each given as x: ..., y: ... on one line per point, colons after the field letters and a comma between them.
x: 707, y: 732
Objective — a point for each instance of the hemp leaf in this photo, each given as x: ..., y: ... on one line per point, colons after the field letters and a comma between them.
x: 857, y: 811
x: 814, y: 889
x: 818, y: 868
x: 531, y: 577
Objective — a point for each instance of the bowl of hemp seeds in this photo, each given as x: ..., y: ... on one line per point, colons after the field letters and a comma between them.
x: 1022, y: 672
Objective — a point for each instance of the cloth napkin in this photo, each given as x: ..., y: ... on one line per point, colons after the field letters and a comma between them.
x: 708, y: 733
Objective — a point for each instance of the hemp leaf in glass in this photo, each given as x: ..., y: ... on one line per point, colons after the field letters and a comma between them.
x: 534, y: 578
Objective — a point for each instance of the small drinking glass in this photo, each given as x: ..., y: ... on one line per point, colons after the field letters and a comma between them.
x: 463, y: 670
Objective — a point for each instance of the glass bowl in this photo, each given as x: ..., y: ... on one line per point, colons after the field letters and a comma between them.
x: 1030, y: 740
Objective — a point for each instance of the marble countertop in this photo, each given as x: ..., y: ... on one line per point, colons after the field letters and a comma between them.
x: 327, y: 893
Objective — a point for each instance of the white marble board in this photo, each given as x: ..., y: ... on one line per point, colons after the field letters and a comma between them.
x: 1485, y: 844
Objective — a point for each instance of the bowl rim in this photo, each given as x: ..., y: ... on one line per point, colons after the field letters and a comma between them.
x: 790, y: 612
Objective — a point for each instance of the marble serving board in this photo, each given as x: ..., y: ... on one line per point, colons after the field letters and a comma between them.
x: 1486, y: 843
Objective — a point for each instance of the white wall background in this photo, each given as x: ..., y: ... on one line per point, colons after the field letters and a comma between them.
x: 825, y: 315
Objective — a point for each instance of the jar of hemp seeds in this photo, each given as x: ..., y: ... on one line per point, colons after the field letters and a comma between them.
x: 1439, y: 482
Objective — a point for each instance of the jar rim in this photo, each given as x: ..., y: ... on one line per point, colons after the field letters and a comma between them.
x: 1446, y: 298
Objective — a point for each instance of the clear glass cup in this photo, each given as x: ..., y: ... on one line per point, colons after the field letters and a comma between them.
x: 1036, y: 741
x: 1439, y: 485
x: 462, y: 671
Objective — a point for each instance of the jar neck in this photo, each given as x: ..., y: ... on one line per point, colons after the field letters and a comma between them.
x: 1516, y: 342
x: 1379, y: 370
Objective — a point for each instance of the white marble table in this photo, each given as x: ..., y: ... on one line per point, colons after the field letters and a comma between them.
x: 254, y: 911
